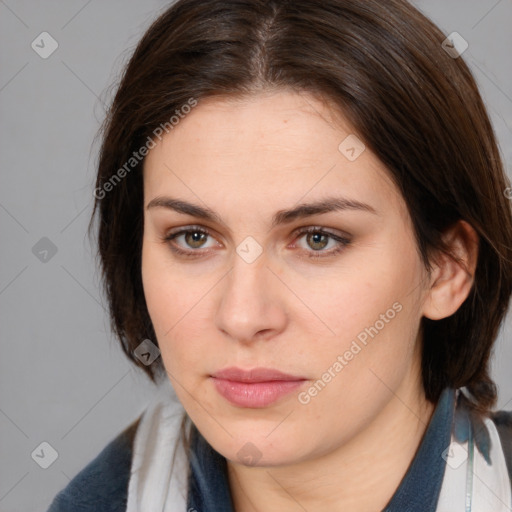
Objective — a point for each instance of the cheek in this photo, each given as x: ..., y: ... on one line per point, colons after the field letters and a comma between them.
x: 174, y: 302
x: 357, y: 371
x: 352, y: 301
x: 373, y: 317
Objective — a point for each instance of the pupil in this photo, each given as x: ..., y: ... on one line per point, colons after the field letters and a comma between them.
x: 196, y: 237
x: 317, y: 239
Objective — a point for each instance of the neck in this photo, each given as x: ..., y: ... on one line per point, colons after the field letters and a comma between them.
x: 362, y: 474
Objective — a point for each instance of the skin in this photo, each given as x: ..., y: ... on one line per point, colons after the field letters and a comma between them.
x: 349, y: 447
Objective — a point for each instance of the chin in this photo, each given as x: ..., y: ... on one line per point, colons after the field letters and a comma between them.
x: 258, y: 450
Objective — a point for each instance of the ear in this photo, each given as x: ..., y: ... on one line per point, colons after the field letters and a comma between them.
x: 451, y: 280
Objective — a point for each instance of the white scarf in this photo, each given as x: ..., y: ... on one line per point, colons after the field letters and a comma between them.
x: 469, y: 484
x: 151, y: 487
x: 474, y: 485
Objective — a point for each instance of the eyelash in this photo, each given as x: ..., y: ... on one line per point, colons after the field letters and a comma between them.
x: 343, y: 242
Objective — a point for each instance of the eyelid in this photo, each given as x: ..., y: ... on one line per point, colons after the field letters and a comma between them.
x: 297, y: 231
x: 191, y: 227
x: 322, y: 229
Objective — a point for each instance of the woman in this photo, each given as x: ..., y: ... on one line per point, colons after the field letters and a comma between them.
x: 304, y: 233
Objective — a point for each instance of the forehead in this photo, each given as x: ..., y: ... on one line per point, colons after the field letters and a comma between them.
x: 271, y: 147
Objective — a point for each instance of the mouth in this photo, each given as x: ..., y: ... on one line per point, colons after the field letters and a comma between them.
x: 256, y: 388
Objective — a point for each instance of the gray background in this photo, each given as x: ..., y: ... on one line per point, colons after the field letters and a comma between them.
x: 63, y: 379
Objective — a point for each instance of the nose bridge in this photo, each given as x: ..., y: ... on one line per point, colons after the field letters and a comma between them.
x: 250, y: 302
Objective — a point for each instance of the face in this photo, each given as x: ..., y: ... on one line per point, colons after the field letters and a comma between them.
x: 336, y: 309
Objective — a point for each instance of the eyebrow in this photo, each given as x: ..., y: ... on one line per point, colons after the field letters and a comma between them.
x: 303, y: 210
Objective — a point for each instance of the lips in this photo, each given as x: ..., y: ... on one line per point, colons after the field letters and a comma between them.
x: 254, y: 375
x: 255, y: 388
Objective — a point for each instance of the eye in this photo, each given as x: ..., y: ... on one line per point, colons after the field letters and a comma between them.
x: 318, y: 239
x: 194, y: 237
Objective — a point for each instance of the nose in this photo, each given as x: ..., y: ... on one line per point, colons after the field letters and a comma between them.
x: 251, y: 302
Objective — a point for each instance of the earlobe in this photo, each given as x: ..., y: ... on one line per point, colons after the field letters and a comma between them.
x: 452, y: 277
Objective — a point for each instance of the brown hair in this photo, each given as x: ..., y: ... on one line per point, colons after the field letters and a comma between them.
x: 381, y: 64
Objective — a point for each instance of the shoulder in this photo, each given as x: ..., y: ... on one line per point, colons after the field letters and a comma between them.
x: 102, y: 486
x: 503, y: 418
x: 503, y: 422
